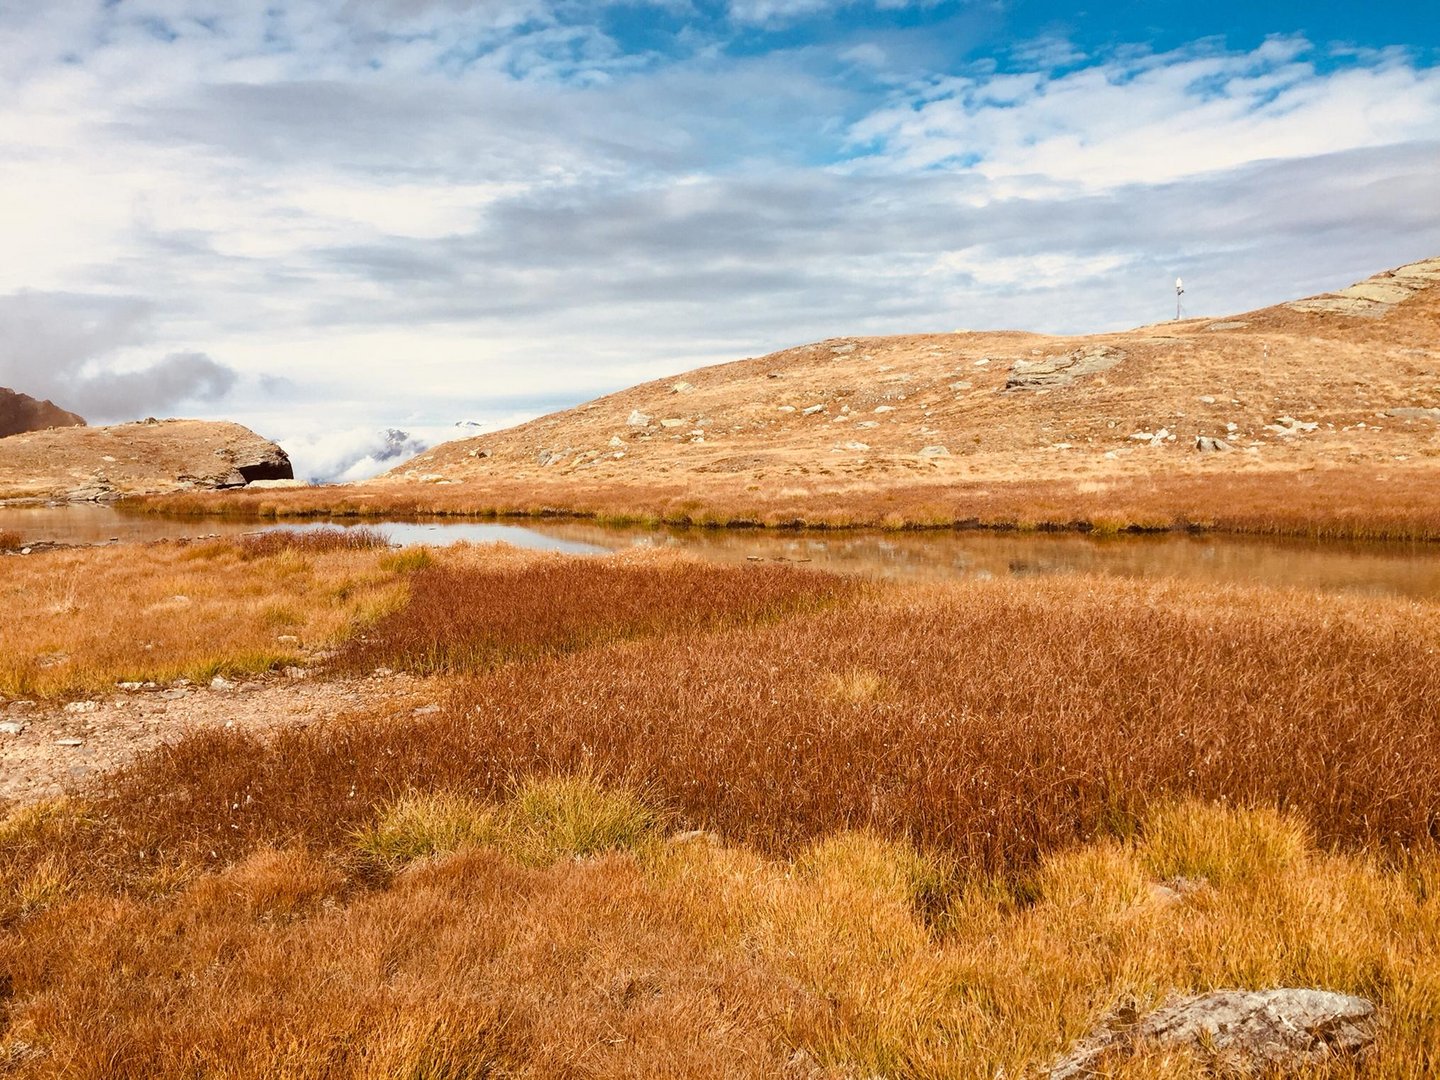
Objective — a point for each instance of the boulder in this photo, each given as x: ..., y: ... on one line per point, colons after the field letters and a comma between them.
x: 1061, y: 370
x: 1207, y: 445
x: 1244, y: 1031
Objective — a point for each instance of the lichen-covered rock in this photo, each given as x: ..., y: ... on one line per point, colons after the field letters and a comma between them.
x: 1244, y: 1031
x: 1063, y: 369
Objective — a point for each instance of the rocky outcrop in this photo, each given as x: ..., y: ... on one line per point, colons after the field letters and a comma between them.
x: 1062, y: 369
x: 1250, y: 1032
x: 1375, y: 295
x: 20, y: 413
x: 149, y: 457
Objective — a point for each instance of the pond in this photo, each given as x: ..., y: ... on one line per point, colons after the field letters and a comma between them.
x: 1396, y: 569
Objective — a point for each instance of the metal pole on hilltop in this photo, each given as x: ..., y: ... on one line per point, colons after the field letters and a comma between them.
x: 1179, y: 292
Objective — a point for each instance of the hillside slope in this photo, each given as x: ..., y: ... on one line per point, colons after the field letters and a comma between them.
x: 152, y: 456
x: 1341, y: 380
x: 21, y: 412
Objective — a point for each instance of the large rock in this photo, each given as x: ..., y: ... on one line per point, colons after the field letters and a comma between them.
x: 20, y: 413
x: 149, y: 457
x: 1245, y: 1031
x: 1063, y: 369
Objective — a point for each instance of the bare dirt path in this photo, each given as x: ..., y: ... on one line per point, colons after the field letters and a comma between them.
x: 47, y: 748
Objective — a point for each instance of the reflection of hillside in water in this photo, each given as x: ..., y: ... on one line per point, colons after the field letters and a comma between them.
x: 1396, y: 569
x: 1399, y: 569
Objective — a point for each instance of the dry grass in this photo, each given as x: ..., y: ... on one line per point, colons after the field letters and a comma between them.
x: 695, y: 959
x: 938, y: 822
x: 79, y: 621
x: 10, y: 540
x: 463, y: 619
x: 1395, y: 502
x: 311, y: 541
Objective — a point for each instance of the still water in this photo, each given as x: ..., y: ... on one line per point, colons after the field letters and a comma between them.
x: 1382, y: 569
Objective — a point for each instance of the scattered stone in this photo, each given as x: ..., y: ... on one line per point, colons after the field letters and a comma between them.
x: 982, y: 361
x: 884, y: 408
x: 963, y: 384
x: 251, y: 687
x: 1062, y: 370
x: 854, y: 445
x: 841, y: 350
x: 549, y: 457
x: 616, y: 440
x: 787, y: 408
x: 1207, y: 399
x: 1206, y: 445
x: 69, y: 742
x: 934, y: 451
x: 638, y: 419
x: 682, y: 387
x: 11, y: 727
x: 175, y: 693
x: 1415, y: 414
x: 868, y: 424
x: 219, y: 682
x: 812, y: 410
x: 129, y: 687
x: 23, y: 705
x: 1287, y: 426
x: 1250, y: 1031
x: 673, y: 422
x: 82, y: 706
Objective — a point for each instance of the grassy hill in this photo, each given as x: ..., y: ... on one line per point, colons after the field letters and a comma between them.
x: 1318, y: 415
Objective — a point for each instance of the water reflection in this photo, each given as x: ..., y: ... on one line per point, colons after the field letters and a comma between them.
x: 1383, y: 569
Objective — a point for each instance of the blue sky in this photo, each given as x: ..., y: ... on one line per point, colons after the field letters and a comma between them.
x: 326, y: 218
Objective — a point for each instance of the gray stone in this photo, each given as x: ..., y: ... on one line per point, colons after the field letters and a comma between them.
x: 1206, y: 445
x: 812, y: 410
x: 82, y: 706
x: 638, y: 419
x: 934, y: 451
x: 1061, y: 370
x: 682, y: 387
x: 11, y: 727
x: 1249, y: 1031
x: 219, y: 682
x: 69, y: 742
x: 174, y: 693
x: 1414, y: 414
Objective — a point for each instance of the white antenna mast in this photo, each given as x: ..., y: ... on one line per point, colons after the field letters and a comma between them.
x: 1179, y: 292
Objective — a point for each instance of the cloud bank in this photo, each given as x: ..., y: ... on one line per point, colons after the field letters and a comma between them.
x: 408, y: 212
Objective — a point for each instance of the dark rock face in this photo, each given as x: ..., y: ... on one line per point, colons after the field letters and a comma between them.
x: 273, y: 466
x: 20, y: 413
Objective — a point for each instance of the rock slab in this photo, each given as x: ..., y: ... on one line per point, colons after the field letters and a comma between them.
x: 1246, y: 1031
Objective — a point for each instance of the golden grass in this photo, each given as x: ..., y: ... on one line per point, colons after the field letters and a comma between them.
x: 79, y: 621
x: 699, y: 959
x: 1394, y: 502
x: 10, y: 540
x: 810, y: 831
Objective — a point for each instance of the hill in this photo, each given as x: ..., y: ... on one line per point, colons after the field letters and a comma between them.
x: 148, y: 457
x: 1338, y: 379
x: 1318, y: 416
x: 21, y: 412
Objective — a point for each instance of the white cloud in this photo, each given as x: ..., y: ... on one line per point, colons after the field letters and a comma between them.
x: 1153, y: 118
x: 418, y: 212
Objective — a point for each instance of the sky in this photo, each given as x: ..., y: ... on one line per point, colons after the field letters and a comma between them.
x: 355, y: 224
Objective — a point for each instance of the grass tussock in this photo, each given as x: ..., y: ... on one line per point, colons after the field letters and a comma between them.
x: 78, y: 621
x: 463, y: 618
x: 10, y: 540
x: 545, y: 819
x: 311, y: 541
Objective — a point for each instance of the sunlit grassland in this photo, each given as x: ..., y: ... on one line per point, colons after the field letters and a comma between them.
x: 685, y: 820
x: 80, y: 620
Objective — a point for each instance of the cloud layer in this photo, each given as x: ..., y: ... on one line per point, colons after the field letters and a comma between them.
x: 331, y: 215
